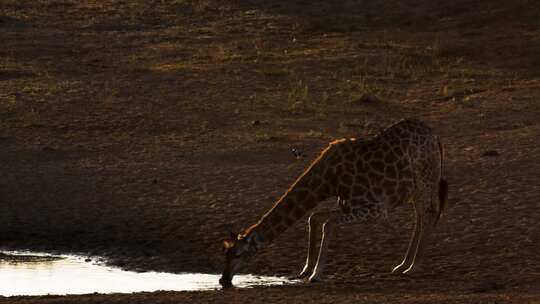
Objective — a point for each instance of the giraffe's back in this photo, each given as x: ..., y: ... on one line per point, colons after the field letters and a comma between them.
x: 418, y: 143
x: 390, y: 167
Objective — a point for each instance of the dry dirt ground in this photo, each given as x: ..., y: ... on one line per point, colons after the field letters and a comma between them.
x: 144, y: 131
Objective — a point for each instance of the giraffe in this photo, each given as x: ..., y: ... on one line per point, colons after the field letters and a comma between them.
x: 402, y: 164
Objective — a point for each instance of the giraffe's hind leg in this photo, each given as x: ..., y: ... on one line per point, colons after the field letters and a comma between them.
x: 427, y: 225
x: 424, y: 226
x: 413, y: 244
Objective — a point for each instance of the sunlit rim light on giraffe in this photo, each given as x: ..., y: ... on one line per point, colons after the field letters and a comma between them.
x: 403, y: 163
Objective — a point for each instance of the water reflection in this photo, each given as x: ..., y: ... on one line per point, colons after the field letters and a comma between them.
x: 23, y: 273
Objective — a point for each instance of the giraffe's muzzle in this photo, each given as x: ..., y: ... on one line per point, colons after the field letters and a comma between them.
x: 225, y: 282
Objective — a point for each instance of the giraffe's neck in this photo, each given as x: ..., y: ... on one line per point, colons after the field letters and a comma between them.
x: 310, y: 188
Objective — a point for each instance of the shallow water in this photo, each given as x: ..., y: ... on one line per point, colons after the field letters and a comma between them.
x: 29, y: 273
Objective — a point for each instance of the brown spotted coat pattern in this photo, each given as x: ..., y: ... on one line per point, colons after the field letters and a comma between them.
x: 369, y: 177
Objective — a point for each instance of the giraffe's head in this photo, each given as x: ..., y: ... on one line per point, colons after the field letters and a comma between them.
x: 238, y: 250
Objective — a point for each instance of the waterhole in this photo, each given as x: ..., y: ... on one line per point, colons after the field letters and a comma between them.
x: 29, y: 273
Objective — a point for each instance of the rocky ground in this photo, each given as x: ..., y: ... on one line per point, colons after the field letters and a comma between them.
x: 143, y: 131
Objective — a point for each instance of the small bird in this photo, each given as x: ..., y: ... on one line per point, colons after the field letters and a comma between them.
x: 297, y: 153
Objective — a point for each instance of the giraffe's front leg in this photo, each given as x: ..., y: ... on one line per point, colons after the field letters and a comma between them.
x: 316, y: 276
x: 315, y: 226
x: 314, y: 230
x: 328, y: 226
x: 363, y: 212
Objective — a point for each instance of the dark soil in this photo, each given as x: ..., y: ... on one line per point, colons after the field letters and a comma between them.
x: 127, y: 131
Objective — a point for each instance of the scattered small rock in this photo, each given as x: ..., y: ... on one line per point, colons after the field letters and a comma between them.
x: 6, y: 139
x: 490, y: 153
x: 88, y: 260
x: 255, y: 122
x: 48, y: 149
x: 488, y: 287
x: 154, y: 181
x: 454, y: 95
x: 267, y: 138
x: 297, y: 153
x: 367, y: 98
x: 273, y: 138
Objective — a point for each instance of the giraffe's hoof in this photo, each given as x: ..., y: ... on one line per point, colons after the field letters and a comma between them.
x: 410, y: 270
x: 314, y: 279
x: 300, y: 276
x: 398, y: 269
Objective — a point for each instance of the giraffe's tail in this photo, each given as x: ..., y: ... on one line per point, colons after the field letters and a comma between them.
x: 443, y: 187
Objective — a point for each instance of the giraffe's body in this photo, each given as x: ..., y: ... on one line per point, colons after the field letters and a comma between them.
x: 369, y: 177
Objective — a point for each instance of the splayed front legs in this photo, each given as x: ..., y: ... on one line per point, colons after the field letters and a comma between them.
x: 314, y: 231
x: 322, y: 225
x: 316, y: 275
x: 316, y: 226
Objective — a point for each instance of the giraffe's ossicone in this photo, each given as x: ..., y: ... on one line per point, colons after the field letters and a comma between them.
x: 403, y: 163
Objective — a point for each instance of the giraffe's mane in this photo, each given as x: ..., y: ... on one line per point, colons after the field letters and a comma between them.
x: 323, y: 152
